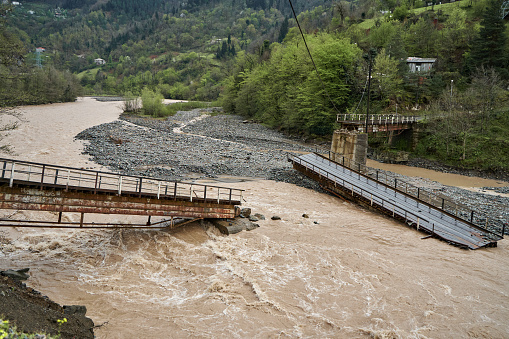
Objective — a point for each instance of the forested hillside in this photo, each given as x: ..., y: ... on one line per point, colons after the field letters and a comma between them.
x: 250, y: 55
x: 181, y: 49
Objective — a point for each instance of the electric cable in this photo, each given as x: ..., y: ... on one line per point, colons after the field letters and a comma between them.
x: 311, y: 57
x: 362, y: 96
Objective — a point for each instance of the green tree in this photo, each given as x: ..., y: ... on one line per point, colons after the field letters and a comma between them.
x: 456, y: 35
x: 488, y: 48
x: 422, y: 39
x: 11, y: 48
x: 388, y: 83
x: 486, y: 91
x: 283, y: 31
x: 380, y: 36
x: 285, y: 91
x: 152, y: 103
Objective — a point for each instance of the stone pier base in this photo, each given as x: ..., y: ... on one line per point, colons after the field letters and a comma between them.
x: 351, y: 145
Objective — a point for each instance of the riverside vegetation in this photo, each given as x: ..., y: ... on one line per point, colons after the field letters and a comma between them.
x: 249, y: 57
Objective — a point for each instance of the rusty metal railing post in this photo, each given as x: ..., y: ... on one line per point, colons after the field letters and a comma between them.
x: 68, y: 178
x: 3, y: 170
x: 175, y: 192
x: 11, y: 180
x: 230, y: 198
x: 205, y: 193
x: 56, y: 177
x: 119, y: 185
x: 96, y: 180
x: 139, y: 188
x: 42, y: 176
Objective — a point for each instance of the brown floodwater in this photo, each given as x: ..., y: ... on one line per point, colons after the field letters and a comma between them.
x: 449, y: 179
x: 343, y: 272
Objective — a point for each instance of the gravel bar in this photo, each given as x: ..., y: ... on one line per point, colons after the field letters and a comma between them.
x: 201, y: 144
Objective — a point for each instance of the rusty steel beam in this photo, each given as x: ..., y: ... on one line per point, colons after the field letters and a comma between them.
x: 172, y: 224
x: 26, y: 198
x: 376, y: 128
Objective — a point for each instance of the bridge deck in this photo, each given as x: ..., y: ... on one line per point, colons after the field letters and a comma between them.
x: 393, y: 202
x: 377, y: 122
x: 42, y: 187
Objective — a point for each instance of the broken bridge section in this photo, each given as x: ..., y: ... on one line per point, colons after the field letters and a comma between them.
x: 428, y: 213
x: 42, y: 187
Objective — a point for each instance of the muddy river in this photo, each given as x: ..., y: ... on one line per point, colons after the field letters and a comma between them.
x: 343, y: 272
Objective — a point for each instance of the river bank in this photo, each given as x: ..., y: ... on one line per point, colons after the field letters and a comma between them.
x: 342, y: 272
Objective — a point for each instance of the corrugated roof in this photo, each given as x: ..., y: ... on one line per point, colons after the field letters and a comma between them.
x: 415, y: 59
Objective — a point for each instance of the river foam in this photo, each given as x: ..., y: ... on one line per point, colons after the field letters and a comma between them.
x: 343, y: 272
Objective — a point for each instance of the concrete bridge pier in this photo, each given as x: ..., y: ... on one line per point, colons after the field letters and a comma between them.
x: 351, y: 145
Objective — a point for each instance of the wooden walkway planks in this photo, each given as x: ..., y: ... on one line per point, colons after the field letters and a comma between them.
x: 393, y: 202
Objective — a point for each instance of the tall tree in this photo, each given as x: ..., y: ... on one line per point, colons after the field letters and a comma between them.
x: 488, y: 48
x: 385, y: 74
x: 283, y: 30
x: 11, y: 48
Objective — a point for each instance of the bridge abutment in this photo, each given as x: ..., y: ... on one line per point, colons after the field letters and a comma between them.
x: 351, y: 145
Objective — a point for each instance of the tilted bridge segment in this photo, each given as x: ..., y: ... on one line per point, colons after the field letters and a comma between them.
x: 428, y: 212
x: 43, y: 187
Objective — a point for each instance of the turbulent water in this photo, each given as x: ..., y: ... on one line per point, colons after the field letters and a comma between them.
x: 343, y: 272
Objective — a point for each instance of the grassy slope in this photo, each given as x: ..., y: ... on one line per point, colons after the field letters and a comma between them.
x: 445, y: 8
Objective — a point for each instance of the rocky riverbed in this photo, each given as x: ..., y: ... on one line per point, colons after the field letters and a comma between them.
x: 204, y: 144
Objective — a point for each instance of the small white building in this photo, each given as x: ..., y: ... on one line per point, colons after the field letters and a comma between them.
x: 420, y: 65
x: 99, y: 61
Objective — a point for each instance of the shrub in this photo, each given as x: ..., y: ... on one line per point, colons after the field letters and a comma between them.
x: 152, y: 103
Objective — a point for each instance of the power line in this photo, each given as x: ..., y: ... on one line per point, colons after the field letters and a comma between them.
x: 311, y: 57
x: 362, y: 96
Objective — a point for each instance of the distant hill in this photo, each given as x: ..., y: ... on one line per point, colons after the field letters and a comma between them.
x: 139, y: 36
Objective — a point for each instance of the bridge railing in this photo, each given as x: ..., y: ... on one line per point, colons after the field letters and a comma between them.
x: 68, y: 178
x: 368, y: 196
x: 428, y: 196
x: 378, y: 119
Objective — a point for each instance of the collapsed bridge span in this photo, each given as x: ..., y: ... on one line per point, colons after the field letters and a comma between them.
x: 431, y: 214
x: 43, y: 187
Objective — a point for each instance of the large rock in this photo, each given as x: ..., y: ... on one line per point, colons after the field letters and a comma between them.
x: 16, y: 274
x: 245, y: 212
x: 233, y: 226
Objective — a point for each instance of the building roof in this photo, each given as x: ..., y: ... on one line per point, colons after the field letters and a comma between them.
x: 415, y: 59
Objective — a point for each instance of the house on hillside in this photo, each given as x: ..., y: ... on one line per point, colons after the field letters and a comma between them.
x: 420, y: 65
x: 99, y: 61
